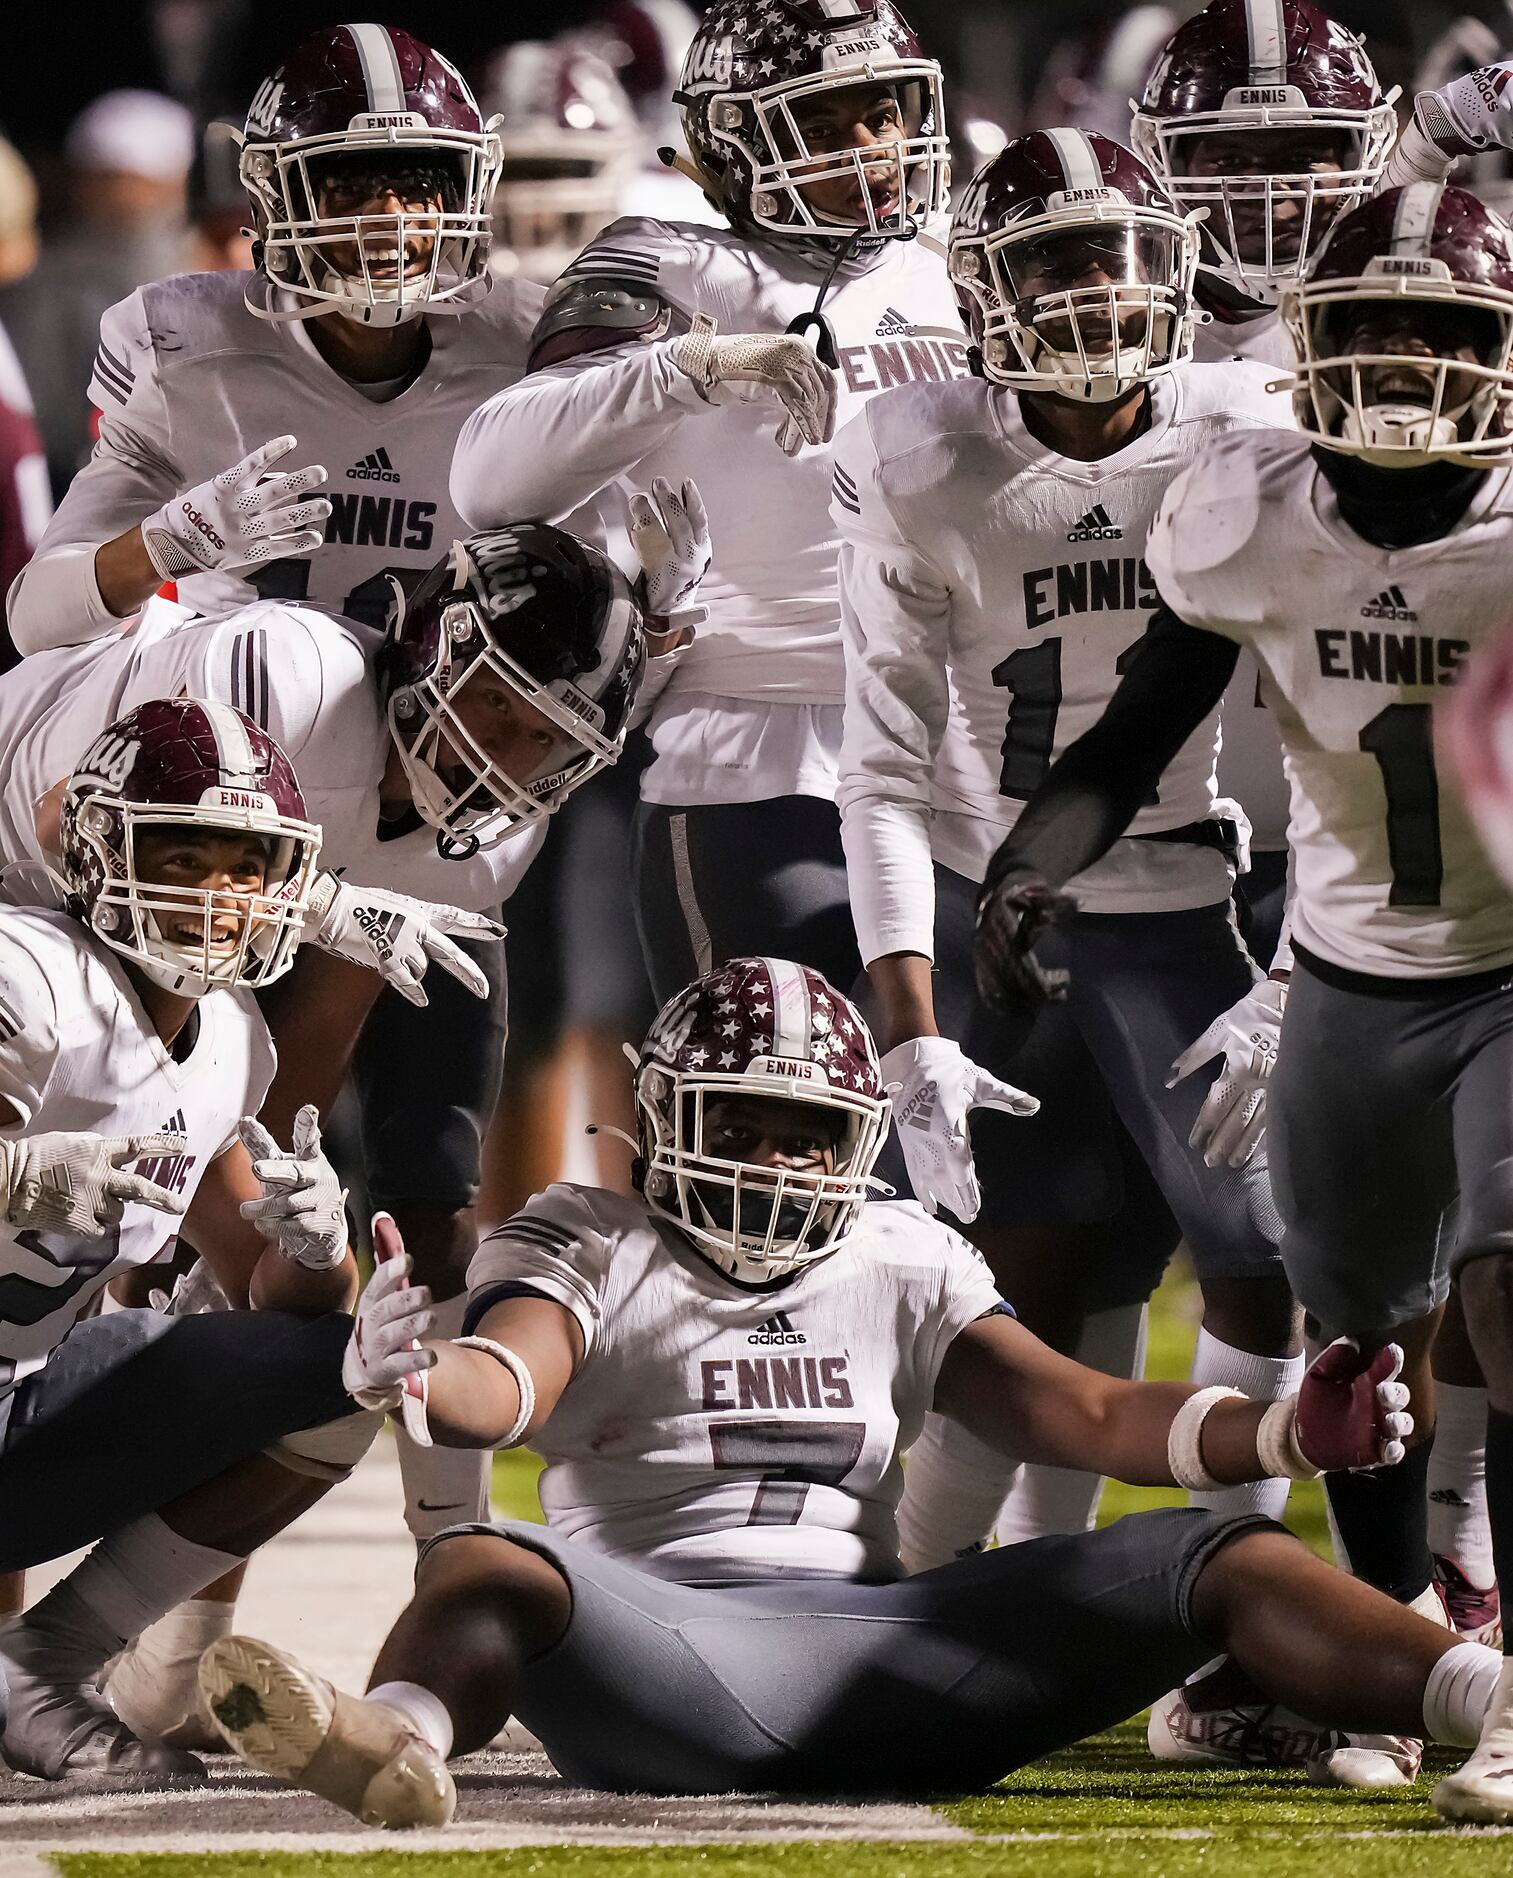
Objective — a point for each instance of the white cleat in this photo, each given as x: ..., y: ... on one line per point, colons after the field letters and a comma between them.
x: 1218, y: 1718
x: 362, y: 1756
x: 1369, y: 1763
x: 1481, y: 1792
x: 153, y: 1685
x: 58, y: 1727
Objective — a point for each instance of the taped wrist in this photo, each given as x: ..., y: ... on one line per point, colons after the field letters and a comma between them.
x: 524, y: 1382
x: 1277, y: 1443
x: 1184, y: 1439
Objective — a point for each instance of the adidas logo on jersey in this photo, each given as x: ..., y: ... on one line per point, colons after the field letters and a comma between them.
x: 1391, y: 603
x: 893, y: 325
x: 375, y: 467
x: 777, y: 1329
x: 1096, y: 525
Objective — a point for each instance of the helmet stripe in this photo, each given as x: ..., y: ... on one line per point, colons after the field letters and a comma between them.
x: 1266, y: 30
x: 790, y: 1008
x: 233, y: 747
x: 1413, y: 221
x: 1079, y: 161
x: 380, y: 68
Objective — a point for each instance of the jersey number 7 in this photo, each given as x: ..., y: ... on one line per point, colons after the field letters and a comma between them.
x: 791, y: 1457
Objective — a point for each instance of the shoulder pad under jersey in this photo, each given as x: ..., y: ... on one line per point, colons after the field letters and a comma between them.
x: 591, y: 313
x: 1208, y: 548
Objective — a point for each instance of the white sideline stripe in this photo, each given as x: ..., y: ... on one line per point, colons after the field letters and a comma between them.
x: 26, y: 1865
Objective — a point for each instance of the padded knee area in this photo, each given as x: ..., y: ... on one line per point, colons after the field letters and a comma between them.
x: 331, y: 1451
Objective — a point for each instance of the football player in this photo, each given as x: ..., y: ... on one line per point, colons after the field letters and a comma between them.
x: 993, y: 587
x: 1361, y: 560
x: 720, y: 1373
x: 432, y: 761
x: 132, y: 1059
x: 1270, y: 116
x: 286, y: 432
x: 816, y: 127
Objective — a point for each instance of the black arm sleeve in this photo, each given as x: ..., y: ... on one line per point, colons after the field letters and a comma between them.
x: 1094, y: 789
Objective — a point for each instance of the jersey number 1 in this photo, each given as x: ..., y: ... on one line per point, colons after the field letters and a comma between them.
x: 1401, y: 738
x: 1032, y: 678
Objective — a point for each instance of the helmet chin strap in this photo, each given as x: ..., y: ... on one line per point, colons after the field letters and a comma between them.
x: 1399, y: 426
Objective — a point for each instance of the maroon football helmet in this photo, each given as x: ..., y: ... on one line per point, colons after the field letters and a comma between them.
x: 571, y: 144
x: 1073, y: 268
x: 353, y: 115
x: 1270, y: 116
x: 1439, y: 263
x: 764, y: 1028
x: 529, y: 616
x: 200, y: 767
x: 750, y: 65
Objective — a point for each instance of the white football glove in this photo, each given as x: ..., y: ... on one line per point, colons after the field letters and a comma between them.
x: 1231, y: 1124
x: 1468, y: 115
x: 77, y: 1183
x: 240, y: 518
x: 937, y: 1088
x: 781, y: 362
x: 384, y: 1366
x: 396, y: 936
x: 670, y: 534
x: 304, y: 1206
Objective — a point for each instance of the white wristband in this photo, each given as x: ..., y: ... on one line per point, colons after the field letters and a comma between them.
x: 1184, y: 1446
x: 523, y: 1382
x: 1277, y: 1443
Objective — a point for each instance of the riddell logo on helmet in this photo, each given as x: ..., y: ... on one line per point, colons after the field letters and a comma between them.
x: 198, y: 521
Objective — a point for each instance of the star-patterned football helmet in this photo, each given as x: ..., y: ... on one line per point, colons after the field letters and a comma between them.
x: 753, y: 61
x: 758, y: 1028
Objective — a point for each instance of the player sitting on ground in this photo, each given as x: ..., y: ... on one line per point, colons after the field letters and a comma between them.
x: 1361, y: 560
x: 721, y: 1375
x: 132, y: 1057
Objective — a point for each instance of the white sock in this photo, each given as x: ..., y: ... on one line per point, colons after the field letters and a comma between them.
x: 1459, y: 1526
x: 433, y: 1722
x: 1459, y: 1692
x: 1064, y: 1499
x: 127, y: 1582
x: 1263, y: 1379
x: 954, y: 1485
x: 443, y: 1486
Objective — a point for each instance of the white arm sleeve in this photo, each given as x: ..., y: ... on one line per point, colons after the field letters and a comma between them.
x: 55, y: 599
x: 895, y: 626
x: 28, y: 1035
x: 553, y: 441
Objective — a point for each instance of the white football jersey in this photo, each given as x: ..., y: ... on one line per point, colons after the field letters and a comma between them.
x: 1356, y: 645
x: 306, y: 678
x: 78, y: 1054
x: 993, y: 591
x: 715, y: 1435
x: 1263, y: 341
x: 188, y: 382
x: 548, y: 444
